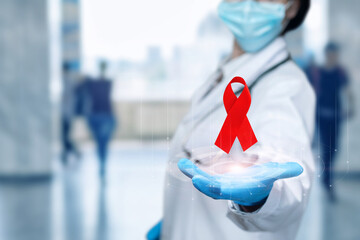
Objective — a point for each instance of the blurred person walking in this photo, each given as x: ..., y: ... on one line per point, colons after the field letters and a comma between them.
x: 330, y: 113
x: 67, y: 113
x: 101, y: 119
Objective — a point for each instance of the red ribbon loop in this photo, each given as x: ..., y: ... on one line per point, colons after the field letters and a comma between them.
x: 236, y: 123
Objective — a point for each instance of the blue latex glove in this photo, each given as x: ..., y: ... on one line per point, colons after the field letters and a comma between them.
x: 154, y: 232
x: 249, y: 187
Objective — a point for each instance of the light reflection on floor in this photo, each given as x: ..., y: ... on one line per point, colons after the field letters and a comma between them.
x: 76, y: 205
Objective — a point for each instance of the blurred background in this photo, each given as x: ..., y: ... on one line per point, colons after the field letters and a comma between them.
x: 138, y: 63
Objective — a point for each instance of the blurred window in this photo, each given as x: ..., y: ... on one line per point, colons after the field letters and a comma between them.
x: 156, y: 49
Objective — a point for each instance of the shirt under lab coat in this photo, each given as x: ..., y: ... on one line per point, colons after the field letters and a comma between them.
x: 282, y: 117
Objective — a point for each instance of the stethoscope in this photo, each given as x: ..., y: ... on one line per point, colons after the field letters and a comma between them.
x: 219, y: 105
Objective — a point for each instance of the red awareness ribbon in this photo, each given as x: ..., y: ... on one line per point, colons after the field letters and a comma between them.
x: 236, y: 123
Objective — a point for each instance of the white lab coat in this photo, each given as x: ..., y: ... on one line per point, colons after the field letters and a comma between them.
x: 282, y: 117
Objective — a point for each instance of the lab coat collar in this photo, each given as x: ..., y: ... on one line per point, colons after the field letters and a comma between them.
x: 250, y: 65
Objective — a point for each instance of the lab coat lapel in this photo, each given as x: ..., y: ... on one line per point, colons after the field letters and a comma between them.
x: 247, y: 66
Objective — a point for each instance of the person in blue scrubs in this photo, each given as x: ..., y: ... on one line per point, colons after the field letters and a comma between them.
x: 330, y: 111
x: 101, y: 118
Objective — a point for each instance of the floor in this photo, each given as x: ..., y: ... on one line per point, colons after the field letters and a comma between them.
x: 76, y: 205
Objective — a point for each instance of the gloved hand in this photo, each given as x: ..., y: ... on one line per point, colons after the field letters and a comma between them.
x: 154, y: 232
x: 250, y: 187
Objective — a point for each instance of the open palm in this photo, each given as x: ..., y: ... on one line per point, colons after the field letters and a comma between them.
x: 248, y: 187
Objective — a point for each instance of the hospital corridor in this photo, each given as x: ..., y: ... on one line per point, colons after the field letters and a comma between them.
x: 179, y: 120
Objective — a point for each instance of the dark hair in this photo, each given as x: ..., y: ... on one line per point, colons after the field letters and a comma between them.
x: 332, y: 47
x: 103, y: 64
x: 66, y: 67
x: 300, y: 16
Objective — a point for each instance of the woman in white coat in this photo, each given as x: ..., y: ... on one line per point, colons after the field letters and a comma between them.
x: 198, y: 205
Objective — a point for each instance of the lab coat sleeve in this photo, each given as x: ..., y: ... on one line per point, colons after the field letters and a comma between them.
x: 283, y: 121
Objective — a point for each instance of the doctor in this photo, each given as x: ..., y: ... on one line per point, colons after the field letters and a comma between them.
x: 254, y: 201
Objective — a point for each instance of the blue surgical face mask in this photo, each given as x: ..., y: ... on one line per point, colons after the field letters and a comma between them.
x: 254, y: 24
